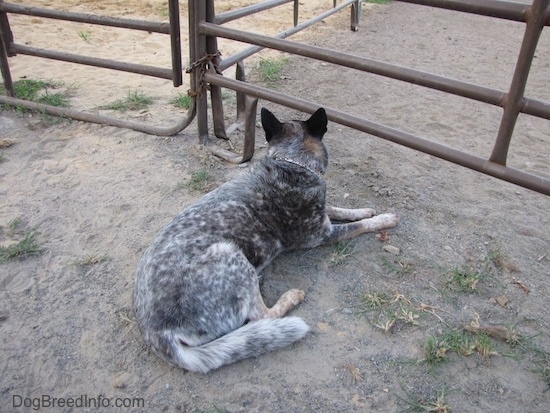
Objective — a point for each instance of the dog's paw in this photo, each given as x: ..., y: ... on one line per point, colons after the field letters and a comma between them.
x: 388, y: 220
x: 294, y: 296
x: 379, y: 222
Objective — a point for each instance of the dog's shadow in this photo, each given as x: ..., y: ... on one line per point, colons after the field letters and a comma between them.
x: 294, y: 269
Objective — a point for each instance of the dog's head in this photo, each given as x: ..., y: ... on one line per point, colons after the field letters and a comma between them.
x: 300, y: 141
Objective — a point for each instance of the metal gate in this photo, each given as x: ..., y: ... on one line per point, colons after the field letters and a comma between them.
x: 8, y: 48
x: 205, y: 26
x: 208, y: 25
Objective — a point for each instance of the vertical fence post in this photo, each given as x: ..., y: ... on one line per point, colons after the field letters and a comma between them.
x: 535, y: 16
x: 197, y: 50
x: 241, y: 103
x: 355, y: 15
x: 6, y: 38
x: 218, y: 118
x: 175, y: 42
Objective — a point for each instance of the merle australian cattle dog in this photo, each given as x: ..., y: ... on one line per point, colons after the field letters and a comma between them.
x: 197, y: 298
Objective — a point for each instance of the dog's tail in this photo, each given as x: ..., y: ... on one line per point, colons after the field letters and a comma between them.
x: 250, y: 340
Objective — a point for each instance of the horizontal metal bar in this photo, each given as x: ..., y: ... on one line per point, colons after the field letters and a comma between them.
x: 492, y: 8
x: 534, y: 107
x: 87, y: 18
x: 93, y: 61
x: 233, y: 59
x: 456, y: 156
x: 248, y: 10
x: 444, y: 84
x: 104, y: 120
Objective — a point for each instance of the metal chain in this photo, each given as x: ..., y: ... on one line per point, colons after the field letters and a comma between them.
x: 202, y: 64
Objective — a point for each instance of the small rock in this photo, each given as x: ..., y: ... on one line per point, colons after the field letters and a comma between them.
x: 5, y: 143
x: 502, y: 300
x: 447, y: 248
x: 391, y: 249
x: 347, y: 311
x: 8, y: 243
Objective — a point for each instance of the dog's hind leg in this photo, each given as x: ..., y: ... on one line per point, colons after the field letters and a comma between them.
x: 346, y: 214
x: 339, y: 232
x: 284, y: 304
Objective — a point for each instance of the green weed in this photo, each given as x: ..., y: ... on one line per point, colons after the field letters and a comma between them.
x: 39, y: 91
x: 200, y: 180
x: 341, y: 252
x: 135, y: 100
x: 53, y: 99
x: 435, y: 350
x: 390, y: 308
x: 24, y: 248
x: 543, y: 368
x: 270, y: 69
x: 374, y: 299
x: 85, y: 35
x: 28, y: 89
x: 182, y: 100
x: 13, y: 225
x: 386, y: 320
x: 436, y: 404
x: 464, y: 279
x: 461, y: 341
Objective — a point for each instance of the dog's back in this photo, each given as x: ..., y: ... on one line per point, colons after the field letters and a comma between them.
x: 196, y: 296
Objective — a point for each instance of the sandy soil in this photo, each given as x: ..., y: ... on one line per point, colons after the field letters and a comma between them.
x: 95, y: 197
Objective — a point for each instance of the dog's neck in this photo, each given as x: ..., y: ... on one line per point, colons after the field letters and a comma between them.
x: 318, y: 174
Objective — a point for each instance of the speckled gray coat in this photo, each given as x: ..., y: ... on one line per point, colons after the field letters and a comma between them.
x: 196, y: 298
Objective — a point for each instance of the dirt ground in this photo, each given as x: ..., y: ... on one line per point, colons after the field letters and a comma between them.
x: 95, y: 196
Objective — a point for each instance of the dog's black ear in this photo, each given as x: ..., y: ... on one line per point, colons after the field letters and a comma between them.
x: 271, y: 124
x: 317, y: 124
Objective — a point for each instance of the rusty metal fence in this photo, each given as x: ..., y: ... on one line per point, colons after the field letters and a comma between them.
x: 205, y: 26
x: 535, y: 16
x: 8, y: 48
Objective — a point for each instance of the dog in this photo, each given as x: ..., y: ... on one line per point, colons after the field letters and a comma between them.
x: 197, y: 298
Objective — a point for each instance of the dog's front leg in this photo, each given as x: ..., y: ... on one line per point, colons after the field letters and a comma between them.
x: 346, y: 214
x: 338, y: 232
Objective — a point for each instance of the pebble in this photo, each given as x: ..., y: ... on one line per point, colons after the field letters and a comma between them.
x: 502, y: 300
x: 391, y: 249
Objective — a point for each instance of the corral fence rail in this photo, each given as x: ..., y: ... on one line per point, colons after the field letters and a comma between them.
x: 9, y: 48
x: 535, y: 16
x: 205, y: 27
